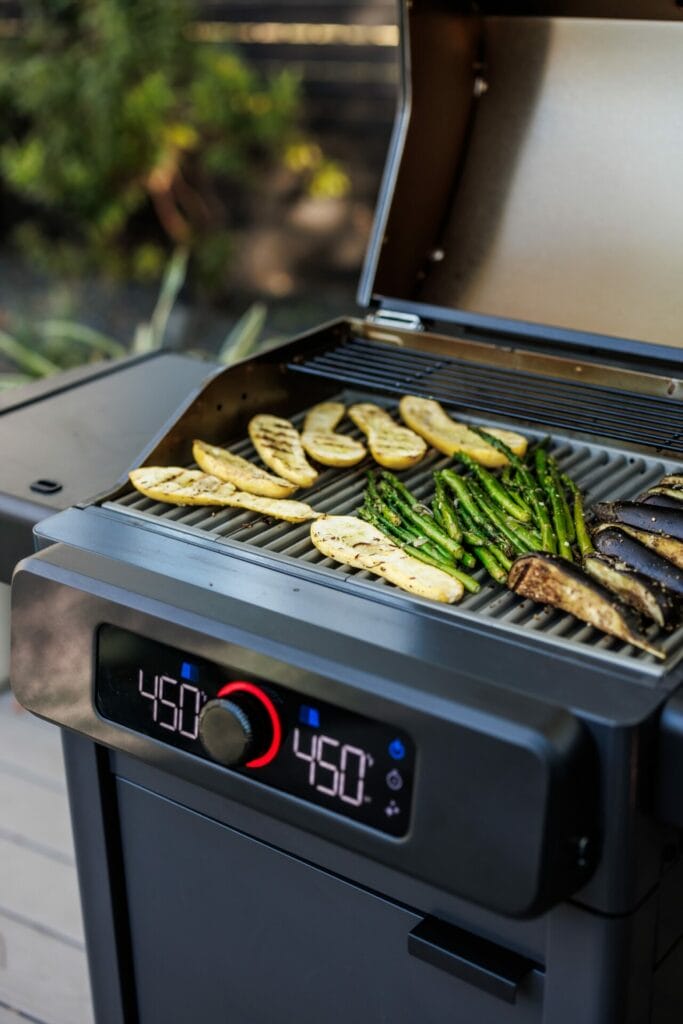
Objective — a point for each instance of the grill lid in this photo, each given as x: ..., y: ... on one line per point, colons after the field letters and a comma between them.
x: 532, y: 176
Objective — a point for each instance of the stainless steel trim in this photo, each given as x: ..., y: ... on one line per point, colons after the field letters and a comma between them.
x: 586, y: 371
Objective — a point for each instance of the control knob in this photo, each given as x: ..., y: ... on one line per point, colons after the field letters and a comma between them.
x: 240, y: 726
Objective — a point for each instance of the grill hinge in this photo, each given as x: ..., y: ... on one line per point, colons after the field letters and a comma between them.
x: 392, y: 318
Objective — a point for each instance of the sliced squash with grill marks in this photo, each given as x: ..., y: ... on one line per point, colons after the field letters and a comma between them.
x: 390, y: 445
x: 238, y: 471
x: 428, y: 419
x: 356, y: 543
x: 177, y: 486
x: 323, y: 444
x: 279, y: 446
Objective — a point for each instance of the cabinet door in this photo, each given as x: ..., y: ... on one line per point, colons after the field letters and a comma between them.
x: 227, y: 930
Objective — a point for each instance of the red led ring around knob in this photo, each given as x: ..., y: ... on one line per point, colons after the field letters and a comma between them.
x: 254, y: 691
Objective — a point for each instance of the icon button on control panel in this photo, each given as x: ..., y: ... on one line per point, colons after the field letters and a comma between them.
x: 394, y: 780
x: 392, y: 809
x: 397, y: 750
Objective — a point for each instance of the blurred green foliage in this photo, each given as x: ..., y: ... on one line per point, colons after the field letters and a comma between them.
x: 109, y: 112
x: 31, y: 348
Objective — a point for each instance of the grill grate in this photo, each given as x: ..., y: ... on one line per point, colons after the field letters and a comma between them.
x: 584, y: 408
x: 601, y: 472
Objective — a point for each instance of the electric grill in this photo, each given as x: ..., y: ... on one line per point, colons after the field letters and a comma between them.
x: 299, y: 793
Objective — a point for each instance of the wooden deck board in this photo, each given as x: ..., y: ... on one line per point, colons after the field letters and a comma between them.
x: 43, y: 970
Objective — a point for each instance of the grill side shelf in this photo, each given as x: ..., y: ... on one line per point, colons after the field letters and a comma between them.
x: 600, y: 471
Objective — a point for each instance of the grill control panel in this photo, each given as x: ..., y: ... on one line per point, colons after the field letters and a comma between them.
x: 321, y: 753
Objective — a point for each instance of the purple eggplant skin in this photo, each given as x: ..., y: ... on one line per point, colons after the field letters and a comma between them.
x: 636, y: 590
x: 610, y: 540
x: 552, y: 580
x: 652, y: 518
x: 670, y: 493
x: 662, y: 500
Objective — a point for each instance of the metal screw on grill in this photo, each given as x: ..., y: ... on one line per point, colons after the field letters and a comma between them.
x: 480, y: 88
x: 583, y: 851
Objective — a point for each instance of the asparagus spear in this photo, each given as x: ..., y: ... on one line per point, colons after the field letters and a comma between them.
x: 583, y: 537
x: 468, y: 582
x: 427, y: 526
x: 557, y: 508
x: 475, y: 539
x: 446, y: 511
x: 556, y: 478
x: 530, y: 490
x: 468, y: 504
x: 498, y: 519
x: 517, y: 508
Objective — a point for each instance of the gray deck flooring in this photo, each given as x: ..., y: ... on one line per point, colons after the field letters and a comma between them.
x: 43, y: 971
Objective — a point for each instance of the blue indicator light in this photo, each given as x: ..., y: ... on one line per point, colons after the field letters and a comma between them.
x: 309, y: 716
x: 397, y: 750
x: 188, y: 671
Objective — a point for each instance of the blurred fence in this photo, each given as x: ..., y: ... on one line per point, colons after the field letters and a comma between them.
x: 344, y: 53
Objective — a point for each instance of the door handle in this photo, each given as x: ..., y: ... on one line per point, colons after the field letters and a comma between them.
x: 490, y: 967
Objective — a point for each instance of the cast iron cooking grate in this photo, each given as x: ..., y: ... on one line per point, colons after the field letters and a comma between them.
x: 584, y: 408
x: 600, y: 471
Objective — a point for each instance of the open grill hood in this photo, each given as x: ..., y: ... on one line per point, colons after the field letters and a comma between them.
x: 532, y: 184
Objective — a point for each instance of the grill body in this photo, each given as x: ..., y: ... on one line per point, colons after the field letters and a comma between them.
x: 538, y: 880
x: 539, y: 876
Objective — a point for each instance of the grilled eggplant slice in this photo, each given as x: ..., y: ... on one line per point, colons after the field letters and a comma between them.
x: 321, y: 442
x: 240, y: 472
x: 674, y: 480
x: 651, y: 518
x: 633, y: 588
x: 390, y: 445
x: 614, y: 540
x: 672, y: 493
x: 666, y: 547
x: 177, y: 486
x: 428, y: 419
x: 279, y: 445
x: 354, y: 542
x: 657, y: 497
x: 555, y: 581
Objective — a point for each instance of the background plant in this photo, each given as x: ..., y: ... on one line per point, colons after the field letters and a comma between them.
x: 121, y: 137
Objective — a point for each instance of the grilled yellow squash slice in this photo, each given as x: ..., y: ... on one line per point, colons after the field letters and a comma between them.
x: 428, y: 419
x: 177, y: 486
x: 321, y: 442
x: 279, y: 445
x: 240, y: 472
x: 354, y: 542
x: 391, y: 445
x: 291, y: 511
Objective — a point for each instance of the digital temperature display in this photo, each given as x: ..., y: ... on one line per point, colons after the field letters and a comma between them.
x: 319, y: 752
